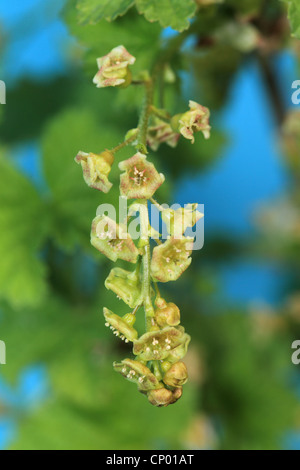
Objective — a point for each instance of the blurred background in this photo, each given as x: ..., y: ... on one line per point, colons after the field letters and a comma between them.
x: 240, y: 298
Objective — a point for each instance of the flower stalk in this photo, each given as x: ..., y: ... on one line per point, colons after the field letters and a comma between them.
x: 145, y: 116
x: 158, y: 370
x: 146, y: 276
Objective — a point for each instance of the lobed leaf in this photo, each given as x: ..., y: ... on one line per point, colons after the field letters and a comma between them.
x: 92, y: 11
x: 174, y: 13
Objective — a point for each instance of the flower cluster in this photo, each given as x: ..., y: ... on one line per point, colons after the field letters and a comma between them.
x: 157, y: 368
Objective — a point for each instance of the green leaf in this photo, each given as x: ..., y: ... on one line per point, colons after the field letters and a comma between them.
x: 174, y: 13
x: 294, y: 17
x: 98, y: 40
x: 95, y: 408
x: 92, y: 11
x: 23, y: 224
x: 245, y: 7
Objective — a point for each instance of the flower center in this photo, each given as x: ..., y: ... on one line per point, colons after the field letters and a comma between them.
x: 138, y: 176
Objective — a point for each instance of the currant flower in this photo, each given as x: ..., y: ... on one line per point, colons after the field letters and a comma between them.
x: 112, y: 240
x: 140, y: 179
x: 114, y: 68
x: 178, y: 353
x: 171, y: 259
x: 137, y: 373
x: 179, y: 220
x: 121, y: 327
x: 161, y: 132
x: 194, y: 120
x: 157, y: 345
x: 126, y: 285
x: 177, y: 375
x: 96, y: 168
x: 164, y: 397
x: 166, y: 314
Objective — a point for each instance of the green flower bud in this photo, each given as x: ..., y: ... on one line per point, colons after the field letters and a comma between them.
x: 138, y: 373
x: 164, y: 397
x: 165, y: 366
x: 140, y: 179
x: 171, y: 259
x: 130, y: 319
x: 126, y: 285
x: 96, y: 168
x: 177, y: 375
x: 131, y: 134
x: 174, y: 123
x: 166, y: 314
x: 119, y: 326
x: 112, y: 240
x: 158, y: 345
x: 114, y: 68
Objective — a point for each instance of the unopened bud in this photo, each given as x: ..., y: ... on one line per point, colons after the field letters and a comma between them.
x: 164, y: 397
x: 177, y: 375
x: 166, y: 314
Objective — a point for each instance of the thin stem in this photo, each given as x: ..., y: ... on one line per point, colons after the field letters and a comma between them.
x: 146, y: 280
x: 147, y: 109
x: 135, y: 309
x: 156, y: 370
x: 125, y: 143
x: 145, y: 115
x: 159, y: 207
x: 161, y: 114
x: 156, y: 289
x: 138, y: 82
x: 161, y: 88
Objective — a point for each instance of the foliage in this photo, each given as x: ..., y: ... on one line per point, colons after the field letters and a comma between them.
x: 23, y: 219
x: 294, y: 17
